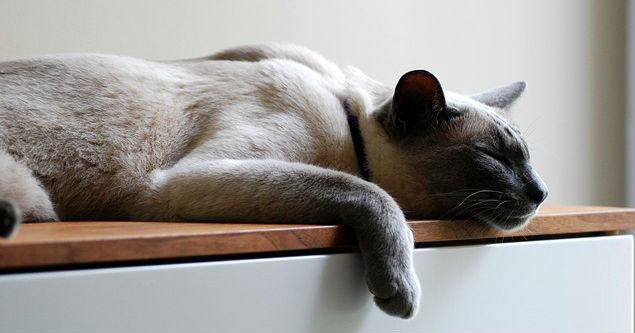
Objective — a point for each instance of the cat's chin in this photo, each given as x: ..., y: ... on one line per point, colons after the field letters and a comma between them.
x: 511, y: 224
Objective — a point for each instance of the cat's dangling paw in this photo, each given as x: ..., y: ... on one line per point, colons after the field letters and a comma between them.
x: 392, y: 279
x: 9, y: 219
x: 399, y: 295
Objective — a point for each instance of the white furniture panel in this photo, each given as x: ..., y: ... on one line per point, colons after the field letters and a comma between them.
x: 566, y: 285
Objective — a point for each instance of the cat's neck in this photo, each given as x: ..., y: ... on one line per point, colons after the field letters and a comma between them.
x: 366, y: 100
x: 382, y: 155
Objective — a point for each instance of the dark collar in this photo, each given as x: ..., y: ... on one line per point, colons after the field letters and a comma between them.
x: 358, y: 142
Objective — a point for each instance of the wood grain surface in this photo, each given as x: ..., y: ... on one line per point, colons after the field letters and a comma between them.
x: 68, y: 243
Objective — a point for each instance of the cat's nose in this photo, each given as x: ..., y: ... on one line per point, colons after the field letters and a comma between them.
x: 538, y: 194
x: 536, y: 189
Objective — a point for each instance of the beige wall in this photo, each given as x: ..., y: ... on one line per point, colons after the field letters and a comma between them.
x: 630, y: 126
x: 571, y: 52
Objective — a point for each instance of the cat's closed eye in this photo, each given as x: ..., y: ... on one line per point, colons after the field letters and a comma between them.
x: 493, y: 153
x: 499, y: 156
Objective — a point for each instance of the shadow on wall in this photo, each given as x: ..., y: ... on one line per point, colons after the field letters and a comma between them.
x: 608, y: 105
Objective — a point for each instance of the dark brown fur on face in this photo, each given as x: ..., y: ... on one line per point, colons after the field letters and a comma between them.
x: 471, y: 162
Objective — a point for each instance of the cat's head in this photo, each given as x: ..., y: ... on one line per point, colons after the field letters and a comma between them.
x: 457, y: 156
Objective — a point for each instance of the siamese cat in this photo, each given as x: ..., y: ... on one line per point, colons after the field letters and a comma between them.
x: 264, y: 133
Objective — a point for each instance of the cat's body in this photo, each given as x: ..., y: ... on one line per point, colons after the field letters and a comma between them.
x: 102, y: 124
x: 257, y: 133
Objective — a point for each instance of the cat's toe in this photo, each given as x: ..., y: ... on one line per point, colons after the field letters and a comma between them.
x: 396, y: 306
x: 9, y: 220
x: 404, y: 303
x: 396, y: 293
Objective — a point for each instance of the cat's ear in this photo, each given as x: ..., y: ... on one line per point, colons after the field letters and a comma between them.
x: 418, y: 104
x: 502, y: 97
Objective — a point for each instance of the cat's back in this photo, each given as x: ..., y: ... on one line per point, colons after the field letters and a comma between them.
x: 86, y: 123
x: 91, y: 103
x: 70, y: 82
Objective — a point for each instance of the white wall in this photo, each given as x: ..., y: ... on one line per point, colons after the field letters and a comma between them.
x: 570, y: 51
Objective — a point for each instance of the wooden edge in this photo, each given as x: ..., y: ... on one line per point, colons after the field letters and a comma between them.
x: 21, y: 255
x: 613, y: 219
x: 54, y: 252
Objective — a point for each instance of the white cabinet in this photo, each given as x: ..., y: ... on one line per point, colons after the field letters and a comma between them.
x: 563, y: 285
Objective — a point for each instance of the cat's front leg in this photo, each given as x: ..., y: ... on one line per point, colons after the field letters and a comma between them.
x: 277, y: 191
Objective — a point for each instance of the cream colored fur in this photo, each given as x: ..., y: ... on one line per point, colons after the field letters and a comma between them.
x: 259, y: 136
x: 256, y: 133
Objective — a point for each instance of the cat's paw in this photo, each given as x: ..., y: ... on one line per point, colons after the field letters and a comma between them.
x: 397, y: 292
x: 9, y: 219
x: 392, y: 279
x: 404, y: 303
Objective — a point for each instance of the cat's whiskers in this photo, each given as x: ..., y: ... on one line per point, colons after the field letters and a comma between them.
x: 499, y: 215
x: 461, y: 192
x: 473, y: 194
x: 466, y: 199
x: 508, y: 216
x: 471, y: 206
x: 453, y: 209
x: 501, y: 203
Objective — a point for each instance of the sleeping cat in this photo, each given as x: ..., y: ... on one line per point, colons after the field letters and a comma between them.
x: 268, y: 133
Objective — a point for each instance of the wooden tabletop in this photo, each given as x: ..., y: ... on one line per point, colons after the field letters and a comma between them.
x: 68, y: 243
